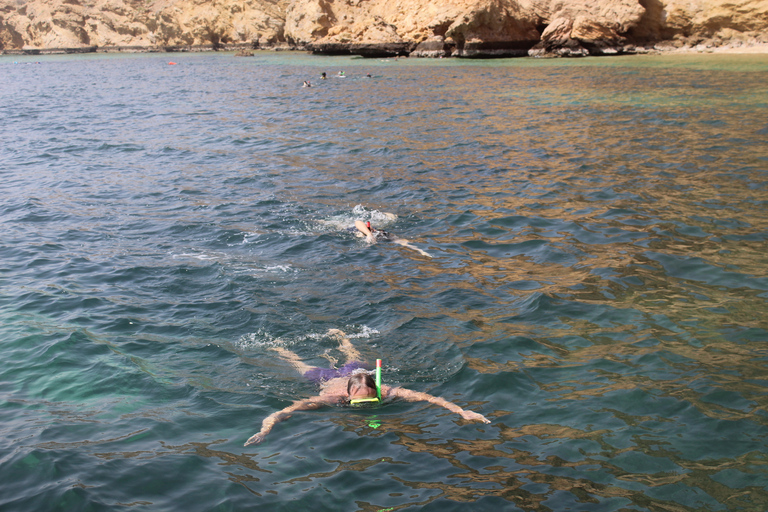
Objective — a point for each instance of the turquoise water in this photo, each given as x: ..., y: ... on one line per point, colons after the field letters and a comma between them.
x: 597, y: 286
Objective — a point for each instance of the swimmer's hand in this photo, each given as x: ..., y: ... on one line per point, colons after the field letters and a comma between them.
x: 256, y: 439
x: 300, y: 405
x: 473, y: 416
x: 416, y: 396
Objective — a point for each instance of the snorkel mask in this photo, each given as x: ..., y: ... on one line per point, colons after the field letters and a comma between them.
x: 375, y: 400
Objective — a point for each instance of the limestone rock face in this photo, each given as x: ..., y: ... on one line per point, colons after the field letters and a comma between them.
x: 76, y: 23
x: 439, y: 28
x: 576, y: 27
x: 494, y: 28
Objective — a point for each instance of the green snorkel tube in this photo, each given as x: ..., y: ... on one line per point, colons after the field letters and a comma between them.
x: 374, y: 423
x: 377, y: 400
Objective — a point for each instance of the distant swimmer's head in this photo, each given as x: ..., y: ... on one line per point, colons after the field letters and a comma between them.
x: 361, y: 386
x: 368, y: 225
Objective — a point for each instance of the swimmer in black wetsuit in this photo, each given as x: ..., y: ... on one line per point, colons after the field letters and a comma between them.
x: 343, y: 385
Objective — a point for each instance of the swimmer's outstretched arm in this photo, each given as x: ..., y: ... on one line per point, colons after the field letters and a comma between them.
x: 417, y: 396
x: 361, y: 227
x: 406, y: 243
x: 307, y: 404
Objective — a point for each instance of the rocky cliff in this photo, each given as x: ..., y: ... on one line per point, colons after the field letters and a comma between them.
x: 468, y: 28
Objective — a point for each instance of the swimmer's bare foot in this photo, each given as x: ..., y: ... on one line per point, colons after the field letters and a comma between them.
x: 279, y: 348
x: 345, y: 345
x: 330, y: 358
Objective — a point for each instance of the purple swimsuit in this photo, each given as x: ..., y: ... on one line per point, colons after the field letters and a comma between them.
x: 320, y: 375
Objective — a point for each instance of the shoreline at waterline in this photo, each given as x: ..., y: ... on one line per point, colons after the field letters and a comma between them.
x: 660, y: 48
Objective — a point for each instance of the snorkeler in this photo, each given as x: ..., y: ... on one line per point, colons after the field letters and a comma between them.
x: 373, y: 235
x: 349, y: 385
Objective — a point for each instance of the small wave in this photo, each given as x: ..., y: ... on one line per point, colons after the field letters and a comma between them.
x: 120, y: 147
x: 250, y: 237
x: 256, y: 271
x: 279, y: 268
x: 198, y: 256
x: 232, y: 266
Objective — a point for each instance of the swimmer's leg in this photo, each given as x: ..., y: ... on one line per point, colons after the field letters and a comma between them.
x: 345, y: 345
x: 293, y: 358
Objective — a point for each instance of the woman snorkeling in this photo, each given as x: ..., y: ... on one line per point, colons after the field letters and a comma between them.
x: 351, y: 384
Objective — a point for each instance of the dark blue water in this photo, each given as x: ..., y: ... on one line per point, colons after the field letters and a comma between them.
x: 597, y: 285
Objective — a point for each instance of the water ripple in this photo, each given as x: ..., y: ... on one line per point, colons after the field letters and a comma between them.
x: 597, y: 286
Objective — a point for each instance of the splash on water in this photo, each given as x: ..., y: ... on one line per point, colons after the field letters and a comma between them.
x: 346, y: 220
x: 262, y: 338
x: 364, y: 332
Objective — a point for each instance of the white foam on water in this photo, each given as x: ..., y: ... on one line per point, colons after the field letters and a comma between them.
x: 378, y: 218
x: 365, y: 332
x: 250, y: 237
x: 279, y: 269
x: 346, y: 220
x: 262, y: 338
x: 258, y: 270
x: 199, y: 256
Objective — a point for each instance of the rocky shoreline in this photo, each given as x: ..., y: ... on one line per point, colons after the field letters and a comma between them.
x: 381, y: 28
x: 417, y: 51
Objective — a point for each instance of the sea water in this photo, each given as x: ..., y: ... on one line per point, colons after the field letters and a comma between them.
x: 595, y: 281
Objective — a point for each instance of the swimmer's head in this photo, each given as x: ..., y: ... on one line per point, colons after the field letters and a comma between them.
x: 361, y: 385
x: 368, y: 225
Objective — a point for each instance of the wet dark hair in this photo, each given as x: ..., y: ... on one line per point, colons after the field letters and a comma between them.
x: 359, y: 381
